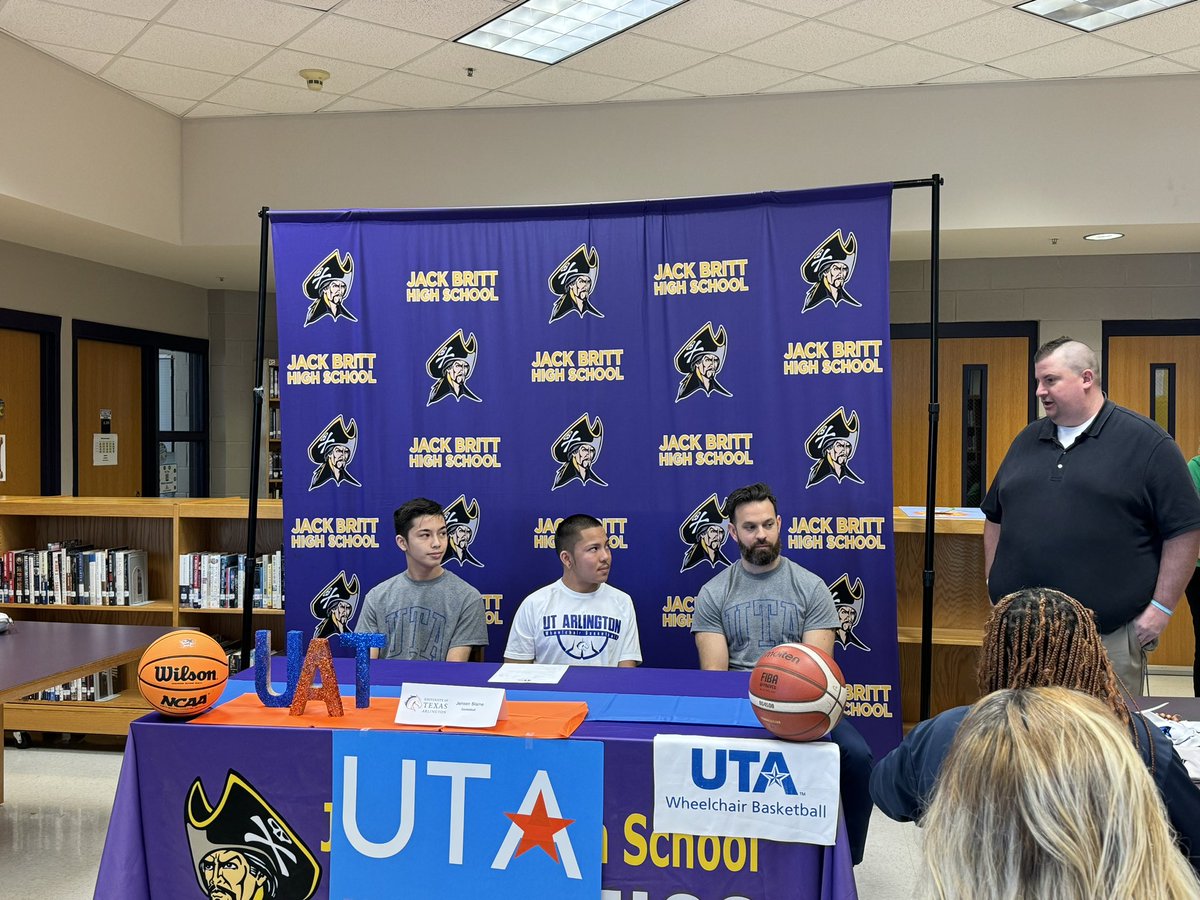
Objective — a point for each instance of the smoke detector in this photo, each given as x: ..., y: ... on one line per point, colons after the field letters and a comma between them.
x: 314, y: 78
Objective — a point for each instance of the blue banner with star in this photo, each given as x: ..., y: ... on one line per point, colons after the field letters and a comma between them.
x: 633, y: 361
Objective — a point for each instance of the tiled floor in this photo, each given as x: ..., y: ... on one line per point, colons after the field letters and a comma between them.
x: 58, y: 800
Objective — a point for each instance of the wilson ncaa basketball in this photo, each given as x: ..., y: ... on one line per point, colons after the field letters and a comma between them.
x: 183, y: 673
x: 798, y: 692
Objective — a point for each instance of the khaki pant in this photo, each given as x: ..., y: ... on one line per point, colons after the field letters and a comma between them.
x: 1128, y: 658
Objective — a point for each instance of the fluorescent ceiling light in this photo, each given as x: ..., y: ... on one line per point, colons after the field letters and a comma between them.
x: 1103, y: 236
x: 1092, y: 15
x: 549, y: 31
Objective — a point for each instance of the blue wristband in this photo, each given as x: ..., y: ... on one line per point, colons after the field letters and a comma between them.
x: 1161, y: 608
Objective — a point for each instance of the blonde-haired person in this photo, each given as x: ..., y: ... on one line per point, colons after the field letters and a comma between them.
x: 1043, y: 796
x: 1039, y: 637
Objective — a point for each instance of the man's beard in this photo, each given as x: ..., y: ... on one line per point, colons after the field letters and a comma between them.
x: 760, y: 554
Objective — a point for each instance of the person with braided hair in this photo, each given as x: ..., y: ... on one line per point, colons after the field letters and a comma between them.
x: 1038, y: 637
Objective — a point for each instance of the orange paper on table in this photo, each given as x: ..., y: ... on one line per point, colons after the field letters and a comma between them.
x: 526, y: 718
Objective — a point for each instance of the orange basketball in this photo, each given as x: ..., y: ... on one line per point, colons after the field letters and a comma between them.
x: 183, y: 673
x: 798, y: 692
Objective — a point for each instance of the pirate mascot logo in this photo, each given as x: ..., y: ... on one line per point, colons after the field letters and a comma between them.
x: 243, y: 849
x: 450, y: 366
x: 328, y: 287
x: 848, y: 599
x: 699, y: 361
x: 462, y: 523
x: 574, y: 282
x: 832, y: 445
x: 828, y: 269
x: 332, y: 452
x: 705, y: 533
x: 335, y: 606
x: 576, y: 450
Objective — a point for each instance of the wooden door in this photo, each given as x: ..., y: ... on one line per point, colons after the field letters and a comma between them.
x: 1130, y: 360
x: 1008, y: 387
x: 108, y: 376
x: 21, y: 416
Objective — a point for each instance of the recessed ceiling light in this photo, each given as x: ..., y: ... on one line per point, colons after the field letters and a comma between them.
x: 1103, y: 236
x: 549, y: 31
x: 1092, y: 15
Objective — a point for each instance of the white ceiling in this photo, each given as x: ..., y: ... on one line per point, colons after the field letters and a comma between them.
x: 206, y: 58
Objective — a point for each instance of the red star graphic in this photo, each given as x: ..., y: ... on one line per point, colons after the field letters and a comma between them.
x: 539, y: 829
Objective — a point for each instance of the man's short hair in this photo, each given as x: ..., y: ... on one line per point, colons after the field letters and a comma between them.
x: 751, y: 493
x: 566, y: 535
x: 409, y: 512
x: 1077, y: 358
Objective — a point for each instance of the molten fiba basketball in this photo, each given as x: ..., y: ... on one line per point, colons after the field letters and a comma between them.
x: 183, y: 673
x: 797, y: 692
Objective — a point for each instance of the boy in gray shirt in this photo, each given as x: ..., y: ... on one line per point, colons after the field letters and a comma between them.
x: 425, y: 612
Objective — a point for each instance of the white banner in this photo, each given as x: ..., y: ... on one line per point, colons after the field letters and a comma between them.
x: 727, y: 787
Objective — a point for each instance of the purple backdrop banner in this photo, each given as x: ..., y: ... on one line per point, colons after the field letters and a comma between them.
x: 634, y: 361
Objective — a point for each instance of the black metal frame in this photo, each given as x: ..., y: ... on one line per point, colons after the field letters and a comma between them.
x: 1170, y: 367
x: 49, y: 332
x: 150, y: 343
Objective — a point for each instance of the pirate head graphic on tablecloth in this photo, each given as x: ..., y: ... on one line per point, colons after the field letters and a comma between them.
x: 832, y: 445
x: 450, y: 366
x: 828, y: 269
x: 576, y: 450
x: 705, y: 533
x: 327, y: 288
x: 848, y: 600
x: 242, y: 849
x: 332, y: 451
x: 334, y: 606
x: 574, y: 282
x: 699, y: 360
x: 462, y: 523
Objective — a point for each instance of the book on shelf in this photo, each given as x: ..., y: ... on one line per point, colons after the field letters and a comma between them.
x: 215, y: 580
x: 69, y: 573
x: 92, y: 688
x: 273, y: 379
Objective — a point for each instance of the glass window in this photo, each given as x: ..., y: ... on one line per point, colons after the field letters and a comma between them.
x: 1162, y: 395
x: 974, y: 433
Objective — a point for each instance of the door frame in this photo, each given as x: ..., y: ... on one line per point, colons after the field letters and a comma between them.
x: 49, y: 332
x: 150, y: 343
x: 1111, y: 328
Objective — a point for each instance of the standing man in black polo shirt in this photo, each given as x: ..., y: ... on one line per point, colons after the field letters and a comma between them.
x: 1095, y: 501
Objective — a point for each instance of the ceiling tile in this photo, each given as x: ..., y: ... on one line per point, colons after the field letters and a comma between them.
x: 897, y: 64
x: 1189, y: 57
x: 716, y: 25
x: 283, y: 67
x: 1151, y: 65
x: 807, y: 8
x: 88, y: 60
x: 654, y: 92
x: 362, y: 42
x: 1083, y: 55
x: 357, y: 104
x: 1162, y: 32
x: 216, y: 110
x: 811, y: 46
x: 899, y: 20
x: 155, y: 78
x: 570, y: 86
x: 136, y: 9
x: 444, y: 20
x: 173, y: 105
x: 499, y: 99
x: 248, y: 20
x: 67, y: 26
x: 402, y: 89
x: 636, y: 57
x: 449, y: 62
x: 728, y: 75
x: 272, y: 98
x: 809, y: 83
x: 994, y: 36
x: 161, y: 43
x: 975, y: 75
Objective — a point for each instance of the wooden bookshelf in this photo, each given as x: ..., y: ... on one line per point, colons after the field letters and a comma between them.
x: 165, y: 528
x: 272, y: 432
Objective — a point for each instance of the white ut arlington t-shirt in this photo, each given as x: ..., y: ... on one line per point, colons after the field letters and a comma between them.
x: 560, y: 626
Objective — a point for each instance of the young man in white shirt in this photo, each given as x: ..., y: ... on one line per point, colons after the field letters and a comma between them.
x: 579, y: 620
